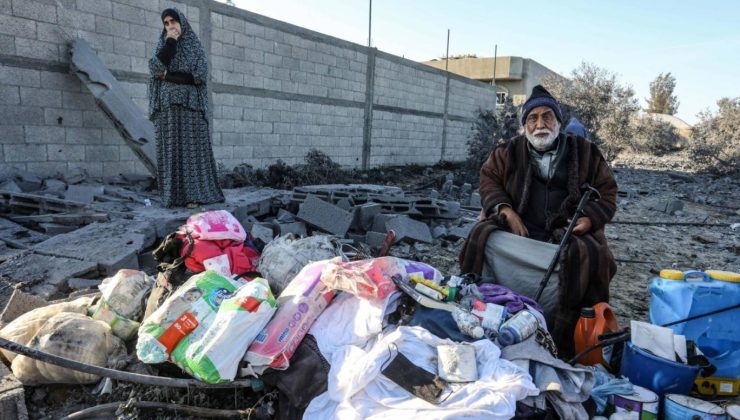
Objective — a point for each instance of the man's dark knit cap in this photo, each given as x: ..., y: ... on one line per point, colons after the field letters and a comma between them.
x: 541, y: 97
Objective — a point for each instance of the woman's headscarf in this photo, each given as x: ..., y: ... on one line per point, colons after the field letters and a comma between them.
x: 190, y: 58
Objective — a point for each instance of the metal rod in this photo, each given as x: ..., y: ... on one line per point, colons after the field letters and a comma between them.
x: 113, y: 373
x: 566, y: 237
x: 183, y: 409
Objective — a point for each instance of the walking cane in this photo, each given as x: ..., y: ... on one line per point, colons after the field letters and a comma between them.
x: 587, y: 191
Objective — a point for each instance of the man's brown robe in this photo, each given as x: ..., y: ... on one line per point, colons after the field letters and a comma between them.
x: 587, y: 265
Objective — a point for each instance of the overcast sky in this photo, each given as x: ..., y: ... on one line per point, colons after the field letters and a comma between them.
x: 697, y: 41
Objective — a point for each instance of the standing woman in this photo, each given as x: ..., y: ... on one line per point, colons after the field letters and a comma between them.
x: 178, y: 102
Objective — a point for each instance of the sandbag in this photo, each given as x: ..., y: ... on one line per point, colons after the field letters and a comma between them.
x: 183, y: 318
x: 215, y: 357
x: 22, y: 329
x: 285, y: 256
x: 122, y: 302
x: 73, y: 336
x: 299, y: 305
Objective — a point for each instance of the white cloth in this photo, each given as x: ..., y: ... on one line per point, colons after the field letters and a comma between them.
x: 349, y: 320
x: 358, y: 390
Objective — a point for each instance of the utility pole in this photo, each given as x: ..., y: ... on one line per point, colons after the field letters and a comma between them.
x: 370, y: 24
x: 495, y: 53
x: 493, y: 79
x: 447, y: 54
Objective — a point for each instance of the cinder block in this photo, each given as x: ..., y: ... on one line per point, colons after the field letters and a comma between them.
x: 263, y: 232
x: 98, y: 7
x: 380, y: 220
x: 44, y: 134
x: 296, y: 228
x: 17, y: 26
x: 375, y: 239
x: 408, y: 229
x: 325, y: 216
x: 21, y: 115
x: 24, y: 153
x: 83, y: 193
x: 475, y: 200
x: 365, y: 214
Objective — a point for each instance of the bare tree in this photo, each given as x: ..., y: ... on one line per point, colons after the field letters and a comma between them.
x: 662, y: 100
x: 716, y: 138
x: 601, y: 103
x: 490, y: 129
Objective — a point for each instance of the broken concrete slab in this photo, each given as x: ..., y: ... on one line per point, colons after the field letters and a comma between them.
x: 56, y: 229
x: 135, y: 128
x: 55, y: 185
x: 83, y: 193
x: 33, y: 203
x: 76, y: 283
x: 71, y: 219
x: 44, y: 275
x: 75, y: 176
x: 19, y: 303
x: 325, y: 216
x: 10, y: 186
x: 112, y: 246
x: 7, y: 253
x: 28, y: 182
x: 17, y: 233
x: 284, y: 216
x: 408, y: 229
x: 439, y: 231
x: 12, y: 396
x: 460, y: 231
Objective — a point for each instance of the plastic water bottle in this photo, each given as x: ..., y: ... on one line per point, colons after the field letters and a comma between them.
x: 517, y: 328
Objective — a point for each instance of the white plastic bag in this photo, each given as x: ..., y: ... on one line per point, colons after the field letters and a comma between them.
x: 285, y: 256
x: 122, y: 302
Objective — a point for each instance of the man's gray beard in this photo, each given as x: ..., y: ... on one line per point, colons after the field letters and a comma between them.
x: 542, y: 144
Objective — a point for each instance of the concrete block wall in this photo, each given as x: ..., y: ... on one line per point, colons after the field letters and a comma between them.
x: 277, y: 90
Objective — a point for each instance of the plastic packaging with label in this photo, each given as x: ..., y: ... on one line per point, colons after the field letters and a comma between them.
x: 302, y: 301
x: 186, y: 314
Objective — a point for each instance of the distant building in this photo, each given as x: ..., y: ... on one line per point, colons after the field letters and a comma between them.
x: 515, y: 76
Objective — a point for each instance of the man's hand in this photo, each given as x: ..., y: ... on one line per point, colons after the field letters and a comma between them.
x: 515, y: 222
x: 173, y: 33
x: 583, y: 225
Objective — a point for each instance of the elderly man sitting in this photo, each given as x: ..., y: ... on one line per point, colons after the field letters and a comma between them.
x: 530, y: 187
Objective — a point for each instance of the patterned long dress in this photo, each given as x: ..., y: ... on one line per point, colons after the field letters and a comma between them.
x: 186, y: 166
